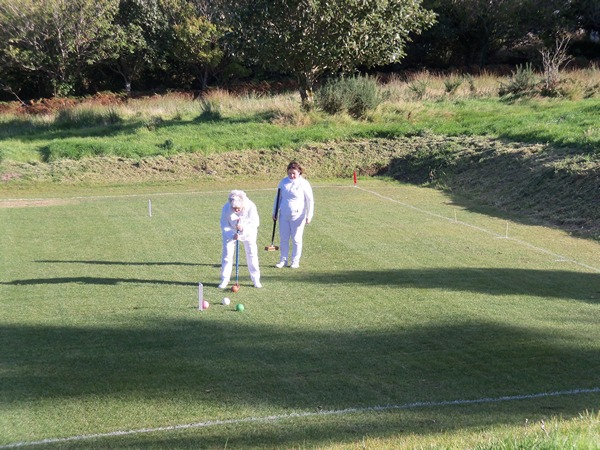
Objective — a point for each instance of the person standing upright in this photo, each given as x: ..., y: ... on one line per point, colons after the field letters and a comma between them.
x: 296, y: 208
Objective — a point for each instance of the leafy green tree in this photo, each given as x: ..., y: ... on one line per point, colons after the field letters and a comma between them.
x: 57, y: 38
x: 140, y: 27
x: 196, y: 42
x: 309, y: 38
x: 471, y: 32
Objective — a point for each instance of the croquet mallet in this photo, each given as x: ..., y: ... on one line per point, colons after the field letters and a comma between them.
x: 273, y: 247
x: 236, y: 286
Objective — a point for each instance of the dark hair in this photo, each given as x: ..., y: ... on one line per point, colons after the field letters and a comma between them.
x: 294, y: 166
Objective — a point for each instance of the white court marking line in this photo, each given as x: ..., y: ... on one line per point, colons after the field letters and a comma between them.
x: 275, y: 418
x: 149, y: 194
x: 558, y: 257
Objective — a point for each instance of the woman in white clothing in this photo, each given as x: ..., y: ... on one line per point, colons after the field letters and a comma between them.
x: 296, y: 208
x: 239, y: 221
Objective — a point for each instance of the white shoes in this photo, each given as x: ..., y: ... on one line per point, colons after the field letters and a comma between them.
x: 257, y: 285
x: 283, y: 262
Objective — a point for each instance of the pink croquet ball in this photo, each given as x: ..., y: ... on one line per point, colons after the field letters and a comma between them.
x: 205, y: 304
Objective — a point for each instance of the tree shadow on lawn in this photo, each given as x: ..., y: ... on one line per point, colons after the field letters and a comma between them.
x: 28, y: 132
x: 124, y: 263
x: 231, y: 368
x: 491, y: 281
x: 93, y: 280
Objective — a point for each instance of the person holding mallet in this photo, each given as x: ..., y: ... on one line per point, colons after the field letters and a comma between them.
x: 239, y: 222
x: 296, y: 208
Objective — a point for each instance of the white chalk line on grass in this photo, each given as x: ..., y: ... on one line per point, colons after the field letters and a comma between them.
x: 146, y: 195
x: 296, y: 415
x: 558, y: 257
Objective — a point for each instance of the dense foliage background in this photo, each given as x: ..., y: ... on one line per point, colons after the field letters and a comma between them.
x: 79, y: 47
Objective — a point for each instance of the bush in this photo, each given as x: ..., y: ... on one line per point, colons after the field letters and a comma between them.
x: 210, y: 110
x: 418, y: 88
x: 523, y: 82
x: 331, y: 98
x: 355, y: 95
x: 451, y: 85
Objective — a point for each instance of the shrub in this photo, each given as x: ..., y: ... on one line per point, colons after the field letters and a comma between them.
x: 418, y: 88
x: 523, y: 82
x: 210, y: 110
x: 452, y: 84
x: 355, y: 95
x: 331, y: 98
x: 471, y: 82
x: 570, y: 89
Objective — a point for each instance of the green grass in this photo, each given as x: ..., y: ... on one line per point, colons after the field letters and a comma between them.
x: 110, y: 132
x: 403, y: 296
x: 561, y: 122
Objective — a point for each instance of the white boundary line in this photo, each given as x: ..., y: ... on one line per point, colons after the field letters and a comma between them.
x: 151, y: 194
x: 148, y: 194
x: 558, y: 257
x: 296, y: 415
x: 275, y: 418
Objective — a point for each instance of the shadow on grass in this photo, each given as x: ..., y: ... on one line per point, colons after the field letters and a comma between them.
x: 490, y: 281
x: 238, y: 365
x: 92, y: 280
x: 123, y: 263
x: 502, y: 178
x: 23, y: 130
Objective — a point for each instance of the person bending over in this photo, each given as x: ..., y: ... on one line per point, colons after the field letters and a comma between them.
x: 239, y: 222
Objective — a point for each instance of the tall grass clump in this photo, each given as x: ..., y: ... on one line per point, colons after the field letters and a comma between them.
x: 355, y: 95
x: 451, y: 85
x: 210, y: 110
x: 522, y: 83
x: 86, y: 117
x: 418, y: 88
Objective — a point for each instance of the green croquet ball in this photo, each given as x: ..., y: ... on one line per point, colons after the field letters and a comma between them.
x: 239, y: 307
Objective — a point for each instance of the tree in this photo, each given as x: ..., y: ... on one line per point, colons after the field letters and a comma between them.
x: 57, y: 38
x: 196, y: 42
x: 309, y: 38
x: 471, y: 32
x: 140, y: 27
x: 194, y: 39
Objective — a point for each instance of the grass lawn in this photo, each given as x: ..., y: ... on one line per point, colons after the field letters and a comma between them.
x: 449, y: 319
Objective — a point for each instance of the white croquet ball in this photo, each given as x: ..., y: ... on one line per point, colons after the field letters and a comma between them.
x: 226, y: 301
